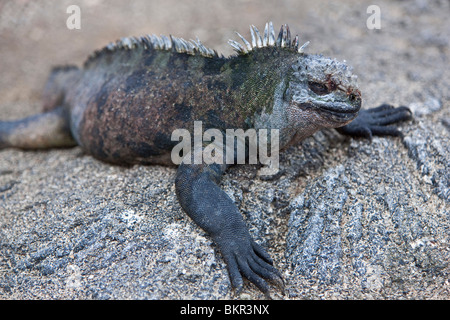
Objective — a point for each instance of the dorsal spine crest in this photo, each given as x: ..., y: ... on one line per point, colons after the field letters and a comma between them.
x: 195, y: 47
x: 268, y: 40
x: 151, y: 41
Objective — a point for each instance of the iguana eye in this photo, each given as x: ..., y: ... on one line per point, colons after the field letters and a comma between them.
x: 352, y: 97
x: 318, y: 88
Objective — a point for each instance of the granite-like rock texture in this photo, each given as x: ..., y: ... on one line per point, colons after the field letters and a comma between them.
x: 371, y: 227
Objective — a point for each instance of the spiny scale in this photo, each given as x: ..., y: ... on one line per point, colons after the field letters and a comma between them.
x: 193, y: 47
x: 283, y: 40
x: 179, y: 45
x: 163, y: 43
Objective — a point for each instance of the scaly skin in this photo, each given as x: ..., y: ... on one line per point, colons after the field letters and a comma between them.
x: 128, y: 98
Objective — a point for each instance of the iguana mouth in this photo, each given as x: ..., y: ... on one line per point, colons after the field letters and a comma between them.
x: 339, y: 108
x: 339, y: 111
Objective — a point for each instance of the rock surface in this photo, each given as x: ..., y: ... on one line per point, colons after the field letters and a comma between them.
x: 345, y: 218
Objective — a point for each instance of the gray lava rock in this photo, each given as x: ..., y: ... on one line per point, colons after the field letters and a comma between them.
x: 372, y: 223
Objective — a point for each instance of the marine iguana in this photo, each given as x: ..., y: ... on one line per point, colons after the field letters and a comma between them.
x: 127, y: 99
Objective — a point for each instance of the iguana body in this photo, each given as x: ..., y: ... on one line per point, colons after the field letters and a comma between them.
x: 128, y: 98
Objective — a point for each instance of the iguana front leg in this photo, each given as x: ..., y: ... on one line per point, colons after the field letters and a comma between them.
x: 377, y: 121
x: 210, y: 207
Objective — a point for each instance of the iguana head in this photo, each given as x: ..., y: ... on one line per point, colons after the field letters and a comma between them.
x: 314, y: 92
x: 323, y: 89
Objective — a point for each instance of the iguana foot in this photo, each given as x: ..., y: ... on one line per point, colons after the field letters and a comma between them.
x: 377, y: 121
x: 244, y: 257
x: 212, y: 209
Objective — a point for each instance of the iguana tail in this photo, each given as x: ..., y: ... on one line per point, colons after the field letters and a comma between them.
x: 49, y: 129
x: 41, y: 131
